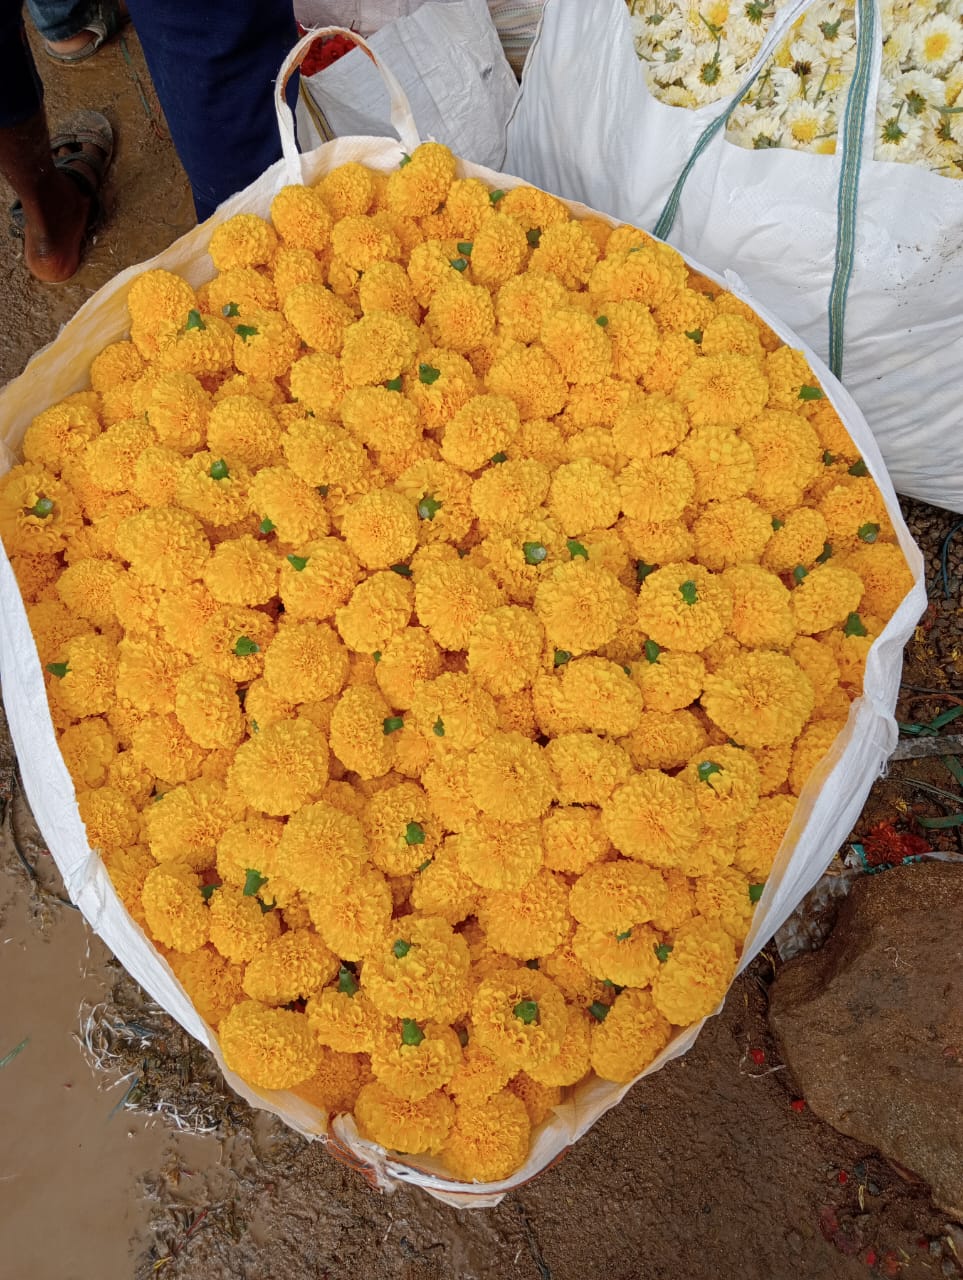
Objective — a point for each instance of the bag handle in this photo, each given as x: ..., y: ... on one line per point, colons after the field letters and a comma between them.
x: 402, y: 119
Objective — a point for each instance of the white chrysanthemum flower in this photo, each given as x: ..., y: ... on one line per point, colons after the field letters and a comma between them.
x: 787, y: 85
x: 677, y: 95
x: 704, y: 22
x: 807, y: 123
x: 829, y: 29
x: 939, y: 155
x: 897, y: 48
x: 898, y: 137
x: 921, y: 92
x: 953, y: 88
x: 938, y: 44
x: 711, y: 78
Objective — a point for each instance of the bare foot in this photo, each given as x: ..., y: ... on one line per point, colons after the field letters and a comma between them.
x: 51, y: 249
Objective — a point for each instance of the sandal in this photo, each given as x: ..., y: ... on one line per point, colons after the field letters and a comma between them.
x: 107, y: 18
x: 85, y: 168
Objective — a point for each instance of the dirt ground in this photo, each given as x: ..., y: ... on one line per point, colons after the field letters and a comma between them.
x: 706, y: 1170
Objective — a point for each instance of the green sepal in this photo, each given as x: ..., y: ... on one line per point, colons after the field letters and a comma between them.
x: 462, y: 1037
x: 531, y: 964
x: 627, y: 670
x: 495, y: 196
x: 245, y: 331
x: 392, y: 724
x: 498, y: 457
x: 623, y: 937
x: 828, y: 458
x: 706, y: 769
x: 414, y: 833
x: 427, y: 373
x: 438, y: 728
x: 266, y: 906
x: 394, y: 384
x: 859, y: 468
x: 58, y: 669
x: 424, y: 866
x: 401, y: 570
x: 526, y: 1011
x: 694, y: 334
x: 405, y: 159
x: 534, y: 552
x: 194, y: 321
x: 347, y: 982
x: 411, y: 1033
x: 219, y: 470
x: 42, y: 508
x: 599, y: 1011
x: 854, y: 626
x: 428, y: 507
x: 642, y: 571
x: 229, y: 310
x: 602, y: 321
x: 576, y: 549
x: 266, y: 525
x: 561, y: 657
x: 255, y: 727
x: 662, y: 951
x: 298, y: 563
x: 755, y: 892
x: 777, y: 524
x: 460, y: 264
x: 533, y: 236
x: 868, y: 532
x: 799, y: 573
x: 207, y: 890
x: 689, y: 592
x: 652, y: 651
x: 245, y: 647
x: 324, y: 490
x: 825, y: 554
x: 810, y: 393
x: 253, y: 880
x: 401, y: 948
x: 377, y: 656
x: 465, y: 246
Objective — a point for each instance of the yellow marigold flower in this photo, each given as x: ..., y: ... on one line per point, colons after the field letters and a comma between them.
x: 571, y: 1063
x: 291, y: 967
x: 240, y: 930
x: 855, y: 513
x: 317, y: 381
x: 669, y: 681
x: 305, y: 662
x: 586, y: 769
x: 337, y: 1082
x: 654, y: 818
x: 665, y: 739
x: 379, y: 418
x: 800, y: 539
x: 400, y: 829
x: 760, y: 699
x: 728, y: 304
x: 530, y: 921
x: 244, y: 430
x: 268, y: 1048
x: 158, y: 303
x: 654, y: 543
x: 584, y: 495
x: 634, y: 339
x: 402, y: 1125
x: 509, y: 778
x: 411, y: 655
x: 500, y: 855
x: 683, y: 606
x: 461, y: 316
x: 582, y: 605
x: 685, y: 312
x: 157, y: 473
x: 725, y: 781
x: 38, y: 513
x: 207, y: 707
x: 520, y: 1017
x: 681, y: 903
x: 241, y: 571
x: 442, y: 497
x: 603, y: 698
x: 446, y: 783
x: 357, y: 736
x: 291, y: 505
x: 539, y: 1099
x: 477, y: 1076
x: 649, y: 425
x: 414, y: 1062
x: 342, y: 1017
x: 696, y: 974
x: 385, y: 287
x: 419, y: 186
x: 451, y: 598
x: 118, y: 362
x: 850, y: 653
x: 211, y: 490
x: 574, y: 839
x: 86, y: 588
x: 626, y: 957
x: 321, y: 850
x: 231, y: 640
x: 657, y: 490
x: 761, y: 614
x: 378, y: 347
x: 523, y: 301
x: 266, y: 345
x: 243, y: 241
x: 418, y: 969
x: 542, y: 441
x: 788, y: 457
x: 532, y: 378
x: 442, y: 889
x: 453, y: 712
x: 301, y: 218
x: 504, y: 649
x: 676, y: 353
x: 83, y: 683
x: 885, y: 574
x: 649, y: 272
x: 510, y: 491
x: 110, y: 818
x: 59, y: 433
x: 725, y: 650
x: 481, y: 428
x: 429, y: 267
x: 732, y: 335
x: 554, y: 713
x: 488, y: 1140
x: 205, y: 349
x: 565, y: 250
x: 178, y: 408
x: 825, y: 597
x: 499, y: 251
x: 248, y: 845
x: 532, y: 208
x: 381, y: 528
x: 348, y: 190
x: 818, y: 662
x: 761, y: 835
x: 35, y: 575
x: 176, y: 914
x: 731, y: 533
x: 833, y: 436
x: 633, y: 1033
x: 293, y: 268
x: 578, y: 343
x: 810, y: 747
x: 360, y: 241
x: 213, y: 983
x: 248, y: 288
x: 379, y: 607
x: 723, y: 464
x: 788, y: 372
x: 161, y: 744
x: 88, y: 749
x: 282, y: 767
x: 612, y: 897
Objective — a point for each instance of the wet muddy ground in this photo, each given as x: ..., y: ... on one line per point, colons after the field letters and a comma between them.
x: 706, y: 1170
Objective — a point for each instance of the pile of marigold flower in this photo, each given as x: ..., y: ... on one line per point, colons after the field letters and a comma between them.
x: 697, y: 53
x: 441, y: 610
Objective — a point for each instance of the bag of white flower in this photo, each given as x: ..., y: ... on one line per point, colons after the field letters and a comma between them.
x: 468, y: 630
x: 448, y: 59
x: 772, y: 145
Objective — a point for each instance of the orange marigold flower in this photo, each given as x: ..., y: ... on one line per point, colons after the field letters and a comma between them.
x: 653, y: 818
x: 88, y: 749
x: 213, y: 983
x: 402, y: 1125
x: 731, y: 533
x: 282, y: 767
x: 86, y: 588
x: 481, y: 428
x: 626, y: 957
x: 523, y: 301
x: 446, y: 783
x: 683, y: 606
x: 669, y: 681
x: 240, y: 929
x: 761, y: 614
x: 241, y: 571
x: 248, y: 288
x: 400, y: 829
x: 305, y: 662
x: 539, y: 1099
x: 419, y: 969
x: 118, y: 362
x: 788, y: 458
x: 244, y: 430
x: 453, y: 712
x: 450, y: 598
x: 505, y: 649
x: 269, y: 1048
x: 799, y: 539
x: 761, y: 835
x: 886, y: 577
x: 584, y: 495
x: 337, y: 1082
x: 421, y: 185
x: 855, y: 513
x: 385, y: 287
x: 358, y: 736
x: 265, y: 346
x: 291, y: 967
x: 158, y: 303
x: 788, y: 372
x: 760, y: 699
x: 86, y: 675
x: 110, y: 818
x: 574, y: 839
x: 178, y: 408
x: 500, y: 855
x: 665, y: 739
x: 243, y: 241
x: 510, y: 491
x: 321, y: 850
x: 586, y: 769
x: 633, y: 1033
x: 488, y: 1140
x: 381, y: 528
x: 532, y: 378
x: 348, y: 189
x: 527, y: 922
x: 206, y: 704
x: 646, y: 272
x: 38, y: 513
x: 657, y: 544
x: 696, y: 974
x: 301, y: 218
x: 825, y: 597
x: 414, y: 1062
x: 578, y: 343
x: 723, y: 464
x: 581, y: 605
x: 478, y: 1075
x: 656, y: 490
x: 565, y: 250
x: 509, y: 778
x: 461, y: 316
x: 649, y: 425
x: 176, y: 914
x: 520, y: 1017
x: 725, y: 781
x: 380, y: 607
x: 248, y: 845
x: 317, y: 381
x: 603, y: 698
x: 59, y: 433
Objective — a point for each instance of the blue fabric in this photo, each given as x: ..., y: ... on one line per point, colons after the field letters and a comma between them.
x: 213, y: 63
x: 21, y: 92
x: 61, y: 19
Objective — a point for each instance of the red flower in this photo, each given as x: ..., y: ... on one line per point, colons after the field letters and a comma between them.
x: 884, y: 844
x: 323, y: 52
x: 758, y: 1056
x: 798, y: 1104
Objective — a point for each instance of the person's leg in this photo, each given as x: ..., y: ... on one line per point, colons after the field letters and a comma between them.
x: 213, y: 64
x: 54, y: 207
